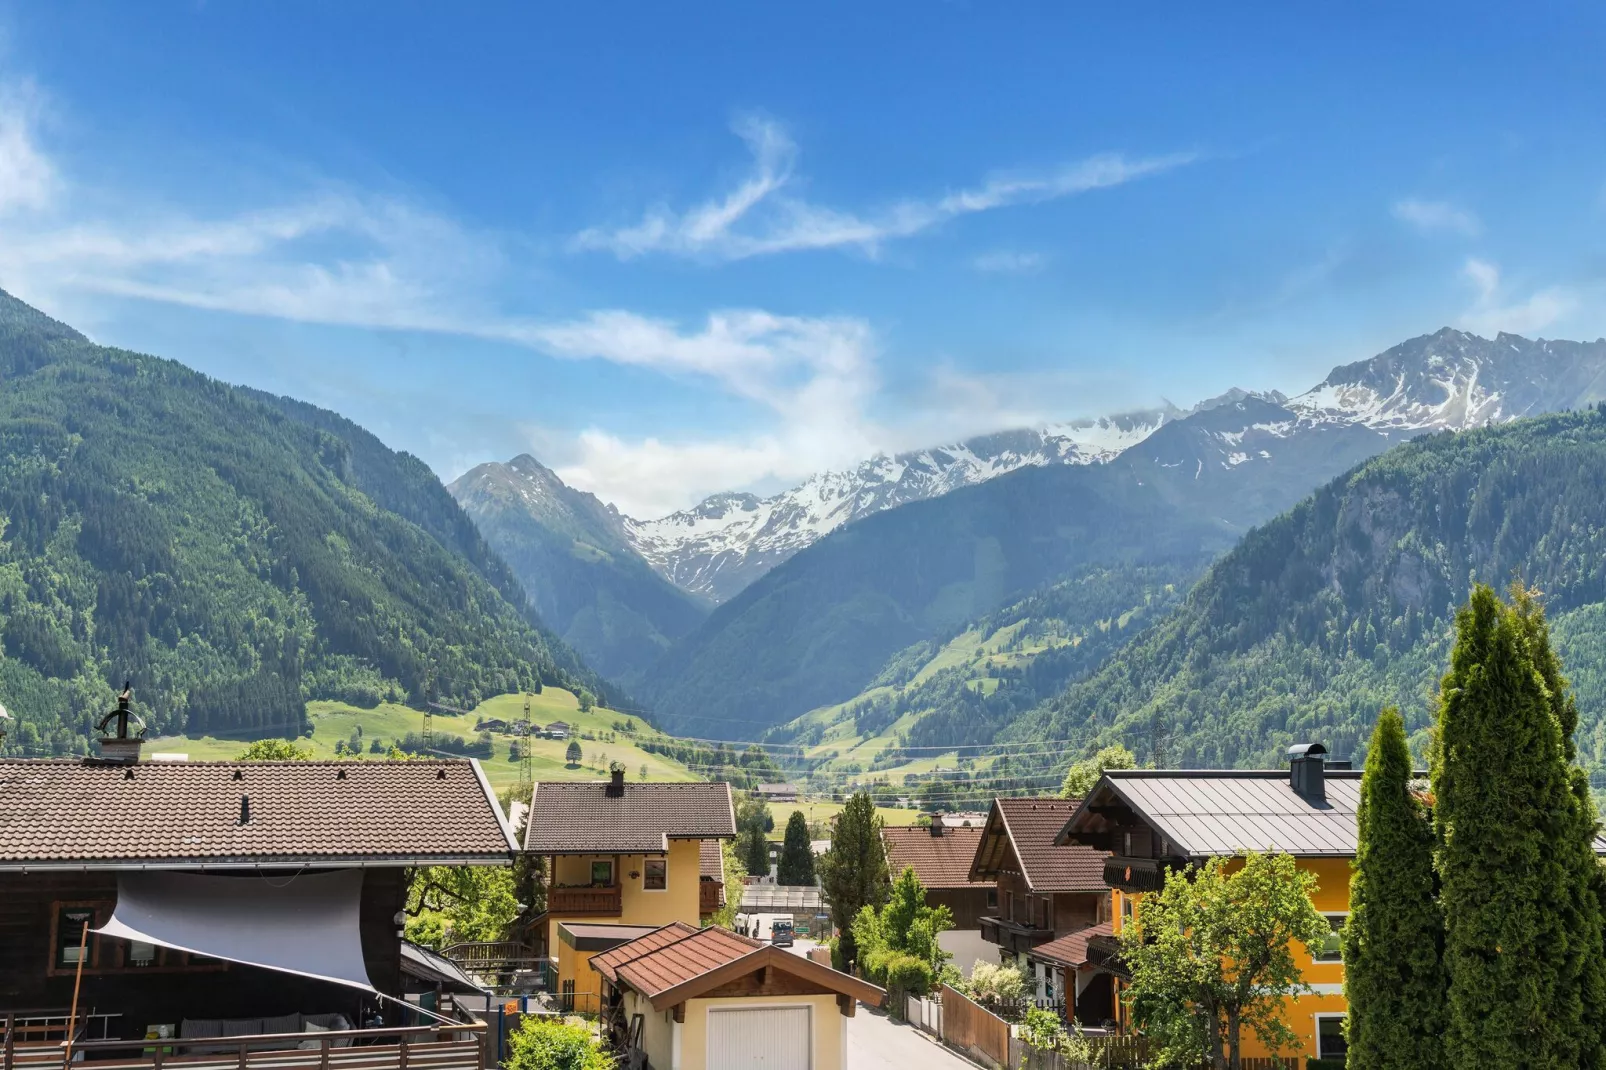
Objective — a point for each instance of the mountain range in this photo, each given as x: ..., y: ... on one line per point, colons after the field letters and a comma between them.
x: 819, y: 628
x: 230, y: 553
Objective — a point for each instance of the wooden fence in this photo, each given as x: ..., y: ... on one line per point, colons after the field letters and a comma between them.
x: 973, y: 1029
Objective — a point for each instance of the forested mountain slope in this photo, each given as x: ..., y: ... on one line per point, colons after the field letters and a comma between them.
x: 584, y: 579
x: 821, y: 626
x: 1344, y: 605
x: 828, y: 624
x: 233, y: 555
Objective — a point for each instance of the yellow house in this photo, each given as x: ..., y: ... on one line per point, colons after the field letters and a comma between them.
x: 1158, y: 821
x: 681, y: 998
x: 622, y: 859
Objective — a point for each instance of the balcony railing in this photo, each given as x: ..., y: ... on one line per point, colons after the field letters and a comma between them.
x: 1135, y: 874
x: 603, y: 901
x: 1013, y: 936
x: 411, y: 1048
x: 708, y: 896
x: 493, y: 956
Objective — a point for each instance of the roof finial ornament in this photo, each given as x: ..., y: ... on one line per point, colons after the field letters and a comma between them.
x: 122, y: 747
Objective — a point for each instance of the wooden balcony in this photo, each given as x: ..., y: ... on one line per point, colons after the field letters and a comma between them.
x: 708, y: 897
x: 416, y: 1048
x: 1012, y: 936
x: 584, y: 902
x: 1135, y: 874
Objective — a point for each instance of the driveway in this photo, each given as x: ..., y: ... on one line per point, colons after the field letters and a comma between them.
x: 876, y: 1042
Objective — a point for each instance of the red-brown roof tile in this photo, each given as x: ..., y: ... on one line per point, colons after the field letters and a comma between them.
x: 580, y: 817
x: 1071, y: 949
x: 1031, y: 826
x: 73, y: 812
x: 939, y: 861
x: 609, y: 961
x: 681, y: 960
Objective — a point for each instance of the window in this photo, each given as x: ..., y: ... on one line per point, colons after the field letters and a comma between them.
x: 992, y: 899
x: 656, y: 875
x: 1332, y: 948
x: 602, y: 873
x: 1330, y: 1040
x: 71, y: 942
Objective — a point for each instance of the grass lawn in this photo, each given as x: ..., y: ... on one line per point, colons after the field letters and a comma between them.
x: 332, y: 721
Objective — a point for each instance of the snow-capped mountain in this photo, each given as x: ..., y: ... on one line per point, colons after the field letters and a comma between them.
x: 726, y: 541
x: 1448, y: 380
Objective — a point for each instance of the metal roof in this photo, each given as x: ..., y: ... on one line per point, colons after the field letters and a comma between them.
x: 1222, y: 812
x: 781, y: 899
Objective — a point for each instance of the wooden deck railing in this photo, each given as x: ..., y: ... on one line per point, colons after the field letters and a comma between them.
x: 708, y: 897
x: 492, y: 956
x: 407, y: 1048
x: 599, y: 901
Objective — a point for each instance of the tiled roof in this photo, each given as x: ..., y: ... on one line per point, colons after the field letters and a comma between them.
x: 1029, y: 826
x: 710, y: 864
x: 568, y: 817
x: 668, y: 967
x: 939, y: 861
x: 678, y: 961
x: 74, y: 812
x: 1071, y: 949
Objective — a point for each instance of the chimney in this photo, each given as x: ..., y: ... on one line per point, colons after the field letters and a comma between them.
x: 121, y: 747
x: 616, y: 782
x: 1307, y: 768
x: 936, y: 825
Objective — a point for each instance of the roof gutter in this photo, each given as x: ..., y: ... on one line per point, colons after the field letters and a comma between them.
x: 399, y: 861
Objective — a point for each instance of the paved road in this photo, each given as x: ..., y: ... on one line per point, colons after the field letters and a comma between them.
x: 876, y: 1042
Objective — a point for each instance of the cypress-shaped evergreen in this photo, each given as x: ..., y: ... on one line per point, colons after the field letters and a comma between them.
x: 1522, y: 940
x: 797, y: 854
x: 1394, y: 978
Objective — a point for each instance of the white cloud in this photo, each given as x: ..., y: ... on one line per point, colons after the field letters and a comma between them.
x: 1010, y: 262
x: 1437, y: 216
x: 1493, y: 312
x: 761, y: 217
x: 27, y: 178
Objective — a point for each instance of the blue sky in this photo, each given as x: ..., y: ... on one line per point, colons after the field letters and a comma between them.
x: 674, y: 249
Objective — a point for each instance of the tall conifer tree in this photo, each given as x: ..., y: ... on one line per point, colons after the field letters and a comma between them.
x: 1522, y: 928
x: 1394, y: 978
x: 797, y: 853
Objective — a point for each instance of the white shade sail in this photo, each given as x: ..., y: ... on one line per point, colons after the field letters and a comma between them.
x: 306, y: 925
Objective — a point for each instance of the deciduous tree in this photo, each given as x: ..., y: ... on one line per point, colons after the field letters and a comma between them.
x: 1082, y: 775
x: 1212, y: 953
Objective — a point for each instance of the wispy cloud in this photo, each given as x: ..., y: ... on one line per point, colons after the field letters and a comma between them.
x: 339, y: 257
x: 761, y: 216
x: 27, y: 178
x: 1010, y: 262
x: 1430, y: 216
x: 1495, y: 311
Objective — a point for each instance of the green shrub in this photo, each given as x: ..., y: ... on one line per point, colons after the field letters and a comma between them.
x: 904, y: 971
x: 553, y: 1044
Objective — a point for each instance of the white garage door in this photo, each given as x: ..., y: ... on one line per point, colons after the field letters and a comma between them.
x: 763, y: 1038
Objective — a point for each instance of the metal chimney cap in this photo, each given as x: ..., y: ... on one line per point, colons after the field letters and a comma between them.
x: 1306, y: 750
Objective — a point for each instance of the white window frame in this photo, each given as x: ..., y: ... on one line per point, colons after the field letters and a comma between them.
x: 1328, y: 916
x: 654, y: 891
x: 1317, y: 1029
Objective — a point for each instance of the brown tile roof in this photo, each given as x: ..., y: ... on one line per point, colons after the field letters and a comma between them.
x: 568, y: 817
x: 78, y: 813
x: 710, y: 864
x: 669, y: 967
x: 609, y: 961
x: 939, y: 861
x: 1029, y: 827
x: 1071, y: 949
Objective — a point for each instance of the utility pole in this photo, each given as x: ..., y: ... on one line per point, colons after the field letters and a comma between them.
x: 526, y: 764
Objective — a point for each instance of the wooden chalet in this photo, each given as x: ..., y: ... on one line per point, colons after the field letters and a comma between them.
x: 229, y: 914
x: 941, y: 857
